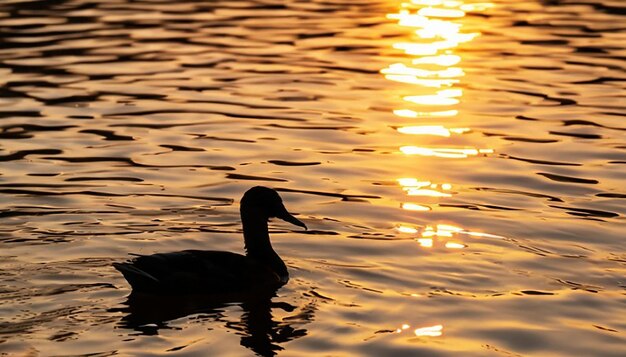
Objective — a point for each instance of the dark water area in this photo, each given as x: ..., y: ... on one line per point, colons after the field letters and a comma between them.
x: 459, y: 164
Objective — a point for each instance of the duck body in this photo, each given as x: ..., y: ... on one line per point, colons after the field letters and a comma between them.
x: 219, y: 272
x: 199, y: 271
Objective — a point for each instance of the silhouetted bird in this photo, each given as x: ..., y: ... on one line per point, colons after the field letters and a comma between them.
x: 218, y: 272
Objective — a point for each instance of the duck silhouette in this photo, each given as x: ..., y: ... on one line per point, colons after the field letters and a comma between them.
x: 223, y: 274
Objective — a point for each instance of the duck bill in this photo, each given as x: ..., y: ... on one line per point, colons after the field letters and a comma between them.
x: 287, y: 217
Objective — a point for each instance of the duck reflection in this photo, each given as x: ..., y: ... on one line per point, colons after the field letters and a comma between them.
x: 259, y: 330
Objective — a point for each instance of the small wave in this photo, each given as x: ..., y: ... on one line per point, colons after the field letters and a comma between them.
x: 569, y: 179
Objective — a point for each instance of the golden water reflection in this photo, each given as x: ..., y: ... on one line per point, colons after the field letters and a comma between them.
x: 404, y: 70
x: 430, y: 331
x: 427, y: 331
x: 443, y: 235
x: 441, y: 60
x: 434, y: 68
x: 414, y: 187
x: 403, y: 328
x: 415, y: 207
x: 408, y: 113
x: 436, y: 99
x: 453, y: 153
x: 433, y: 65
x: 437, y: 130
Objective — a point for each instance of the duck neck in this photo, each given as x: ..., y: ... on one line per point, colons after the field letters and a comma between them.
x: 256, y: 236
x: 257, y: 244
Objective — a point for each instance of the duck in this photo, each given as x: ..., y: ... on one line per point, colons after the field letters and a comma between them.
x: 219, y: 272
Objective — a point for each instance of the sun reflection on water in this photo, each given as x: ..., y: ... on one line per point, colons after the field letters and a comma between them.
x: 437, y: 130
x: 414, y: 187
x: 437, y: 33
x: 415, y: 207
x: 443, y: 235
x: 408, y: 113
x: 452, y: 153
x: 431, y: 331
x: 433, y: 66
x: 427, y: 331
x: 440, y: 60
x: 434, y: 71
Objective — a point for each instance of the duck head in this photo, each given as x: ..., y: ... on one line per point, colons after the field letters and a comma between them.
x: 265, y: 202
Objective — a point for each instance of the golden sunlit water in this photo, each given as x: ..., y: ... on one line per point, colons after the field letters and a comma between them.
x: 459, y: 164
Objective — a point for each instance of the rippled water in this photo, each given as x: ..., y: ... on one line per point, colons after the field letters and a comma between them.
x: 460, y: 166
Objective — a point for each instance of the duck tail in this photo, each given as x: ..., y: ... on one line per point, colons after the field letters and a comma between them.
x: 138, y: 279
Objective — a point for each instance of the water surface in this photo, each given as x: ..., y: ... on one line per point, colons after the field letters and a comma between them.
x: 460, y: 165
